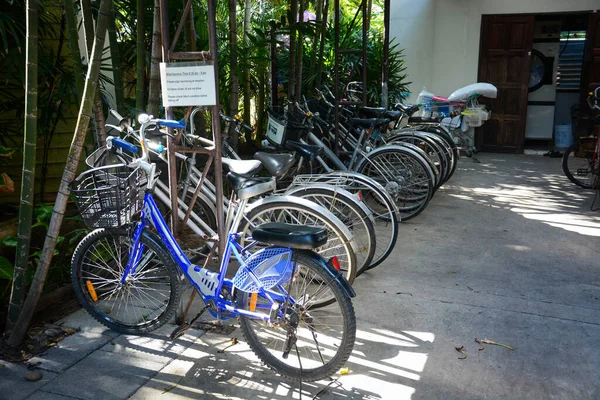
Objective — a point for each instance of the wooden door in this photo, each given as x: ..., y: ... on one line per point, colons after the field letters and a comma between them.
x: 504, y: 60
x: 590, y: 74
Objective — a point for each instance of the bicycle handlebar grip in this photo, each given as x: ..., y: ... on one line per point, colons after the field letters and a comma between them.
x: 171, y: 124
x: 125, y: 145
x: 247, y: 128
x: 115, y: 114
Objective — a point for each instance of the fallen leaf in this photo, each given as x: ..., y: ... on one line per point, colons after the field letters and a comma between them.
x: 461, y: 351
x: 487, y: 341
x: 344, y: 371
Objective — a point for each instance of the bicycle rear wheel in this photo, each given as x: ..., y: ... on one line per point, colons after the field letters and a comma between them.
x: 325, y: 335
x: 145, y: 301
x: 405, y: 175
x: 348, y: 209
x: 378, y: 201
x: 292, y: 210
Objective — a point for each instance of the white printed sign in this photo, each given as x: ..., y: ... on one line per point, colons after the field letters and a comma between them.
x: 275, y: 131
x: 187, y: 84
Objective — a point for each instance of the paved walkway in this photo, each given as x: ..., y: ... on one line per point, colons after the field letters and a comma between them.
x: 507, y: 251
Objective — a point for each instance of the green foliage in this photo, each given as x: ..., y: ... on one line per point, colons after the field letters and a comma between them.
x: 6, y: 269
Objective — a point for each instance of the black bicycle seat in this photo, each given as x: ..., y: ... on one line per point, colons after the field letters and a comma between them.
x: 391, y: 114
x: 241, y: 167
x: 424, y: 120
x: 247, y: 187
x: 292, y: 236
x: 408, y: 109
x: 367, y: 123
x: 275, y: 164
x: 306, y: 151
x: 371, y: 112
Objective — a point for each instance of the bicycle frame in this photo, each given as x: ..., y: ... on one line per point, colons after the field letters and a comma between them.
x: 152, y: 216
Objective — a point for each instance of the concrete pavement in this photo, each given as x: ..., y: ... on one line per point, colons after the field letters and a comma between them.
x: 507, y: 251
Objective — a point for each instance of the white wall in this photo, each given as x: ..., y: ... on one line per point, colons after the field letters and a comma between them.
x: 411, y: 25
x: 441, y: 37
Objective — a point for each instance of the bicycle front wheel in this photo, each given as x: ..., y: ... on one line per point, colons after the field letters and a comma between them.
x: 145, y: 301
x: 578, y: 164
x: 324, y: 335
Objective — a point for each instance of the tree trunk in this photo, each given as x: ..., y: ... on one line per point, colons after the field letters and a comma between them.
x: 234, y: 101
x: 189, y: 30
x: 140, y: 74
x: 47, y: 119
x: 300, y: 52
x: 154, y: 84
x: 319, y: 73
x: 115, y: 57
x: 315, y: 44
x: 247, y: 26
x: 28, y: 183
x: 262, y: 87
x: 74, y: 46
x: 274, y: 81
x: 88, y: 29
x: 292, y: 60
x: 90, y: 89
x: 78, y: 71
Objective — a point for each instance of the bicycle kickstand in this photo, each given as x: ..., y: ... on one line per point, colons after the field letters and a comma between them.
x: 178, y: 332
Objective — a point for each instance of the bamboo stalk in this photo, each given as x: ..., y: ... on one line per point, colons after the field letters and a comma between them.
x: 154, y: 83
x: 83, y: 121
x: 28, y: 183
x: 115, y: 56
x: 140, y: 74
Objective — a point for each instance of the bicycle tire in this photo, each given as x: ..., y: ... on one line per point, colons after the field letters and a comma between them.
x: 410, y: 195
x: 444, y: 134
x: 336, y: 328
x: 304, y: 212
x: 578, y: 164
x: 100, y: 259
x: 439, y: 131
x: 348, y: 209
x: 379, y: 202
x: 425, y: 156
x: 434, y: 150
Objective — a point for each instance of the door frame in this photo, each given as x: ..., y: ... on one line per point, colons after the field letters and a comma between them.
x: 478, y: 132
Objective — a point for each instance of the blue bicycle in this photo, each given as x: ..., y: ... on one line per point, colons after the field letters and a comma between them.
x: 127, y: 274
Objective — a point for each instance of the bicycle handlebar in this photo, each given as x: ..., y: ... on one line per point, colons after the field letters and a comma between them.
x: 122, y: 144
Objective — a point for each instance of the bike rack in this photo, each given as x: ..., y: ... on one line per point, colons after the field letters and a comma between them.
x: 214, y: 154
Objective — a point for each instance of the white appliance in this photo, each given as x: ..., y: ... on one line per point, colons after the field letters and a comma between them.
x: 542, y: 89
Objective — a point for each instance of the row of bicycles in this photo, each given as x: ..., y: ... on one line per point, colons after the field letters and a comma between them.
x: 305, y: 218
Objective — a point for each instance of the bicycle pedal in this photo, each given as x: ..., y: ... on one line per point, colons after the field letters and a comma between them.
x: 179, y: 331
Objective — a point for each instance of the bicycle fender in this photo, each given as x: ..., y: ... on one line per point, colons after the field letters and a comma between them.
x: 331, y: 271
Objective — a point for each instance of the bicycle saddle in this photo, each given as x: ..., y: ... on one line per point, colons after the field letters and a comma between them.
x: 307, y: 151
x: 424, y: 120
x: 367, y: 123
x: 292, y: 236
x: 371, y: 112
x: 247, y: 187
x: 275, y: 164
x: 408, y: 109
x: 241, y: 167
x: 391, y: 114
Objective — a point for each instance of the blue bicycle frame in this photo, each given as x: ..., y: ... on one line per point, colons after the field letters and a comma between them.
x: 200, y: 276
